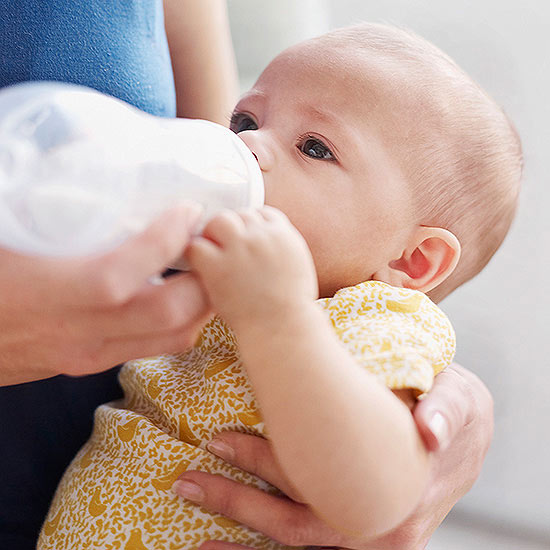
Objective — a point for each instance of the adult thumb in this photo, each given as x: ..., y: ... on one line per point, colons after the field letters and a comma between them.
x: 452, y: 403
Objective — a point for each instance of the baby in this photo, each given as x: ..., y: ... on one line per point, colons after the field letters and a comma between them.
x: 402, y: 177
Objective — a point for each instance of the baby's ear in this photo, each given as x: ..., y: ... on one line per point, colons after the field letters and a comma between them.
x: 430, y: 257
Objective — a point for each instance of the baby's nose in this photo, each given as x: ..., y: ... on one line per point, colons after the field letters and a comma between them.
x: 260, y: 148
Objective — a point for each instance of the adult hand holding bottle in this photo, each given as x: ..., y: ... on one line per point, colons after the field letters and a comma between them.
x: 83, y: 315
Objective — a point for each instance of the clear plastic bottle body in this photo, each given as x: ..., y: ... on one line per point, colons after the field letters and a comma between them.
x: 81, y: 171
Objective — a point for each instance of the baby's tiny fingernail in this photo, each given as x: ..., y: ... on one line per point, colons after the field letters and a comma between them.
x: 221, y: 449
x: 193, y: 212
x: 189, y: 490
x: 440, y: 429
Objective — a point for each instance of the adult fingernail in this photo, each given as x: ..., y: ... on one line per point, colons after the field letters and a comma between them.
x: 440, y: 429
x: 221, y: 449
x: 189, y: 490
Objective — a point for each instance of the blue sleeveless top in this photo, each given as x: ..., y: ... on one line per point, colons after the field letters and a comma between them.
x: 118, y: 47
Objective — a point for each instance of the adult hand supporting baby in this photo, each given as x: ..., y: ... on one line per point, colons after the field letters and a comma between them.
x: 456, y: 421
x: 84, y: 315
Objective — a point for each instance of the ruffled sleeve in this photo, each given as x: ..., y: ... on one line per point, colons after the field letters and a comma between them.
x: 397, y: 334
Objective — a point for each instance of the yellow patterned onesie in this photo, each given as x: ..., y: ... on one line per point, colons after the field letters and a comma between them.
x: 116, y: 492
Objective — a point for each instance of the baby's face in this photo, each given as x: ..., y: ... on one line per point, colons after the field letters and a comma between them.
x: 318, y: 131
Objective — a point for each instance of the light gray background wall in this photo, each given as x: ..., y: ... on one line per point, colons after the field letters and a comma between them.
x: 501, y: 317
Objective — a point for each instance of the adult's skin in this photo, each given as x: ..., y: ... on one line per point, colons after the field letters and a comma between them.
x: 86, y: 315
x: 203, y: 61
x: 78, y: 316
x: 456, y: 422
x: 82, y: 316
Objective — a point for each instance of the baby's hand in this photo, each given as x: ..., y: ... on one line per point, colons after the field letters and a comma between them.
x: 254, y: 265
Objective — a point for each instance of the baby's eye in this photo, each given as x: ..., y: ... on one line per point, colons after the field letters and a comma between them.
x: 316, y: 149
x: 242, y: 123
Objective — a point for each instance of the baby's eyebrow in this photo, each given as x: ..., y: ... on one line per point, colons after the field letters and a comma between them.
x: 331, y: 121
x: 321, y: 114
x: 252, y: 96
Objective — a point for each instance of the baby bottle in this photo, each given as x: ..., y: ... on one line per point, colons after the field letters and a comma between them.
x: 81, y: 171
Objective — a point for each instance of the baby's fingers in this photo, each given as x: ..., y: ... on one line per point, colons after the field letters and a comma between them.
x: 202, y: 255
x: 269, y: 213
x: 224, y: 227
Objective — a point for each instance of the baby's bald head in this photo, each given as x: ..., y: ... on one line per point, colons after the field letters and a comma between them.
x: 457, y: 149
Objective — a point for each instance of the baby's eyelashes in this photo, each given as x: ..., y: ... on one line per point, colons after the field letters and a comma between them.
x: 315, y: 148
x: 241, y: 122
x: 309, y: 145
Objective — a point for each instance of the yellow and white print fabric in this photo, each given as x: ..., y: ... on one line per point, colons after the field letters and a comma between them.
x: 116, y: 494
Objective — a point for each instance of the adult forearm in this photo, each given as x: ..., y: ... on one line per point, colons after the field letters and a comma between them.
x: 373, y: 466
x: 203, y: 60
